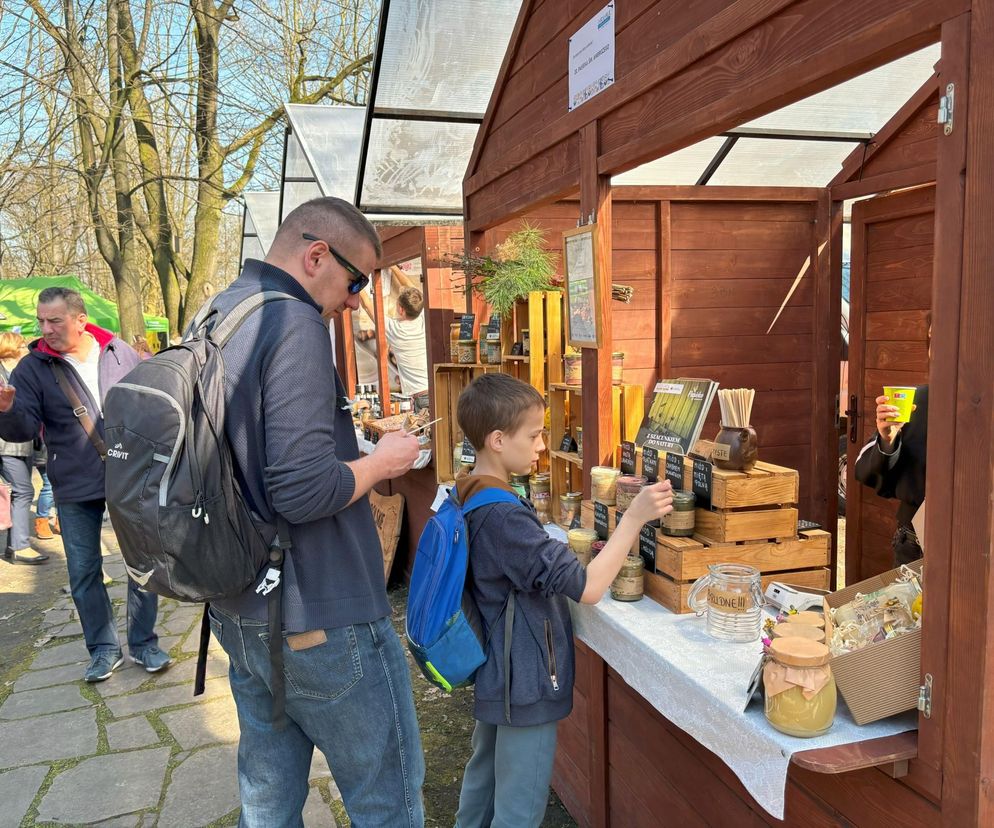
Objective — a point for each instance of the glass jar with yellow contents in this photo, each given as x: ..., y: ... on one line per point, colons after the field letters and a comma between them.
x: 799, y: 687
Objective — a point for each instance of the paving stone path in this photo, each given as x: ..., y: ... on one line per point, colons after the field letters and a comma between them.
x: 136, y: 750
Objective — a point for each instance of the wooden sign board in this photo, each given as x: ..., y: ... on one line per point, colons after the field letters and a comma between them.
x: 584, y: 311
x: 388, y: 514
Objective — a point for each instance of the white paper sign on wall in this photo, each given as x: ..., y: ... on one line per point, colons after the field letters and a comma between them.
x: 591, y: 58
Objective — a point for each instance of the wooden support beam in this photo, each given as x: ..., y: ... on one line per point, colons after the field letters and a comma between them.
x: 345, y: 351
x: 382, y: 348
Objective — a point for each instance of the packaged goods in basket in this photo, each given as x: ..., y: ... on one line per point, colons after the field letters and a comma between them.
x: 881, y: 615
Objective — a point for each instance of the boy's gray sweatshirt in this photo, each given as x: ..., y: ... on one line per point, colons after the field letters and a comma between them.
x: 509, y: 550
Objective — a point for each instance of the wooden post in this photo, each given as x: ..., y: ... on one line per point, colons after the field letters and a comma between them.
x: 965, y: 463
x: 595, y: 200
x: 345, y: 351
x: 382, y: 349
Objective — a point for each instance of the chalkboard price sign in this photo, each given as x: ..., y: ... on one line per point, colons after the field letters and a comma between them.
x: 627, y: 457
x: 493, y: 329
x: 674, y: 469
x: 517, y: 349
x: 600, y: 520
x: 567, y: 444
x: 650, y: 464
x: 702, y: 482
x: 466, y: 325
x: 468, y: 453
x: 647, y: 547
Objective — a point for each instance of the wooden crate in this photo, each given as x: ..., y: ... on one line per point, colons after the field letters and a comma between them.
x: 673, y: 594
x: 450, y: 380
x: 687, y: 559
x: 764, y: 485
x: 745, y: 524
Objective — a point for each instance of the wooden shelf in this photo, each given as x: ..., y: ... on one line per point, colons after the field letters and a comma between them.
x: 510, y: 358
x: 568, y: 456
x: 892, y: 751
x: 572, y: 389
x: 452, y: 366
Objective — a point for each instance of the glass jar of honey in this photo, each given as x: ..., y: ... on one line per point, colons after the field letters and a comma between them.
x: 604, y: 484
x: 799, y: 687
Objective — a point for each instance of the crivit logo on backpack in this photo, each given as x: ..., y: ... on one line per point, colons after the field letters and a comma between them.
x: 116, y: 452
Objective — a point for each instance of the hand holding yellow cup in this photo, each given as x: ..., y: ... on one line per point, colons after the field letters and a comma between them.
x: 902, y: 397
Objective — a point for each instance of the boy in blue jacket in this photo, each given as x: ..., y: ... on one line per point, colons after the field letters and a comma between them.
x: 506, y: 782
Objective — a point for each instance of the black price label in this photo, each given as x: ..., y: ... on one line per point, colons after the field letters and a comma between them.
x: 466, y: 325
x: 650, y: 464
x: 567, y: 444
x: 627, y: 457
x: 493, y: 329
x: 702, y: 476
x: 517, y: 349
x: 600, y: 520
x: 576, y: 521
x: 618, y: 515
x: 647, y: 547
x: 674, y: 469
x: 468, y: 453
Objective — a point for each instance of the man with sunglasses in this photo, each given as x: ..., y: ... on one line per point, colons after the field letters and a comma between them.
x: 347, y: 685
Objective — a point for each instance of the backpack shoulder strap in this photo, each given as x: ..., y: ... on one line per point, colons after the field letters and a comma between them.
x: 488, y: 497
x: 79, y: 408
x: 233, y: 320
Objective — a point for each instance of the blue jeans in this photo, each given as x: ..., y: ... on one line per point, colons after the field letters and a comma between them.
x: 506, y: 783
x: 81, y: 524
x: 45, y: 499
x: 350, y: 697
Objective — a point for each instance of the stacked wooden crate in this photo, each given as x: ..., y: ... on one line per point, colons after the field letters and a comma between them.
x: 753, y: 521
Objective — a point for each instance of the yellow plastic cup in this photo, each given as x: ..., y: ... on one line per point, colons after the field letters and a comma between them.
x: 902, y: 397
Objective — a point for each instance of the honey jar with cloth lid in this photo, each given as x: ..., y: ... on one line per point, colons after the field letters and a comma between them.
x: 799, y: 687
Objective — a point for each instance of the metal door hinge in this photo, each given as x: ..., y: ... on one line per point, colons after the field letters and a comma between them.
x: 946, y: 105
x: 925, y: 697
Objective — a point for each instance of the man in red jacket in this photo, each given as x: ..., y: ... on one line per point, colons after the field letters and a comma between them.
x: 61, y: 385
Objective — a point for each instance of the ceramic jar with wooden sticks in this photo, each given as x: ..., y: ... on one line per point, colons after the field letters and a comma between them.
x: 736, y: 447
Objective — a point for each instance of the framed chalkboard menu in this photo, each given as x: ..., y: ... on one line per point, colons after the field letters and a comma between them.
x: 583, y: 301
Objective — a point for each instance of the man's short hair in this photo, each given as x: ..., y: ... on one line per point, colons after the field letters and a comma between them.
x: 72, y: 298
x: 411, y: 301
x: 495, y: 402
x: 330, y: 219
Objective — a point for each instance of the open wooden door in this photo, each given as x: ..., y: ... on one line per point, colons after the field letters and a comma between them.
x: 892, y: 261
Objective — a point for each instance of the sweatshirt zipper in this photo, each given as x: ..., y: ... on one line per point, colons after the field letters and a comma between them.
x: 552, y: 655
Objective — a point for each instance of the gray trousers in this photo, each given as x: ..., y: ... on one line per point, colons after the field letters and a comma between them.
x: 506, y: 783
x: 16, y: 471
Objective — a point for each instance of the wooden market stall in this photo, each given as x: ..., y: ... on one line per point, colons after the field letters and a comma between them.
x: 686, y: 72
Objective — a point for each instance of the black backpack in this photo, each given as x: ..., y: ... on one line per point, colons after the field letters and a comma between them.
x: 184, y: 527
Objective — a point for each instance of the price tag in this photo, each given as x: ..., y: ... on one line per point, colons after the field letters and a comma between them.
x: 647, y: 547
x: 576, y: 521
x: 618, y: 515
x: 702, y: 475
x: 517, y: 349
x: 650, y: 464
x: 466, y: 325
x: 493, y: 329
x: 468, y: 453
x: 567, y: 444
x: 754, y: 682
x: 600, y: 520
x: 627, y: 457
x: 674, y: 469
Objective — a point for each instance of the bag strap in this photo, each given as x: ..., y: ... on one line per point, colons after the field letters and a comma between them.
x: 225, y: 328
x: 79, y: 409
x: 508, y: 632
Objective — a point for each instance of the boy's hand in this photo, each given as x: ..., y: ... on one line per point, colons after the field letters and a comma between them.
x: 395, y: 453
x: 652, y: 502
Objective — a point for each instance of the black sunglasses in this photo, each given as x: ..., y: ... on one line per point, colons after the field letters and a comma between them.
x: 358, y: 280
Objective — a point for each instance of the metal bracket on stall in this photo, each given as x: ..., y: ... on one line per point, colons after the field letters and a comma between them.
x: 946, y: 105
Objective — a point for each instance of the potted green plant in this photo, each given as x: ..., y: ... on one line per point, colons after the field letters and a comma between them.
x: 519, y: 265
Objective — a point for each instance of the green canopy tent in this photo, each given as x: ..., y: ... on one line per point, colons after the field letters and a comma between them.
x: 19, y: 302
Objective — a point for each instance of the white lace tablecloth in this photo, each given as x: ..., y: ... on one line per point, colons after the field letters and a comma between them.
x: 699, y: 684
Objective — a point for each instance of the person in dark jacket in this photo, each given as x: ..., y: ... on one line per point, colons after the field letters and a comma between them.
x: 893, y: 464
x: 93, y: 360
x: 289, y: 424
x: 522, y: 693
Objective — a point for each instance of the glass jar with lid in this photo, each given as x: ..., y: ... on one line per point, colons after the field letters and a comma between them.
x: 680, y: 522
x: 581, y: 541
x: 603, y: 484
x: 628, y: 487
x: 540, y: 489
x: 569, y: 507
x: 799, y: 687
x: 630, y: 581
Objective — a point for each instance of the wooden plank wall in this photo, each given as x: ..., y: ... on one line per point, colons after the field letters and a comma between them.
x: 732, y: 265
x: 439, y: 244
x: 634, y: 262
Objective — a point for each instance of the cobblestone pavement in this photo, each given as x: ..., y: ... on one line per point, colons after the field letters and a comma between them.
x: 135, y: 750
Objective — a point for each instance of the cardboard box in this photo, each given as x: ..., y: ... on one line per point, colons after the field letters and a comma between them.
x: 881, y: 679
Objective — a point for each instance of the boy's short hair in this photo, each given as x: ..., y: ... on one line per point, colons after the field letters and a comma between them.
x: 411, y: 301
x: 495, y: 402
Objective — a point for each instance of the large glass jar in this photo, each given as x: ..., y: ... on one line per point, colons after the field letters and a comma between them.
x: 799, y: 687
x: 628, y: 487
x: 630, y: 581
x: 734, y: 601
x: 569, y: 507
x: 603, y: 484
x: 540, y: 489
x: 581, y: 542
x: 680, y: 522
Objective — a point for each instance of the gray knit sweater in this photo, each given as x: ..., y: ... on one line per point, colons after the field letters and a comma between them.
x: 291, y: 438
